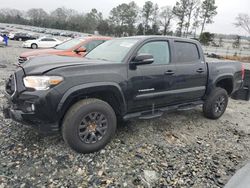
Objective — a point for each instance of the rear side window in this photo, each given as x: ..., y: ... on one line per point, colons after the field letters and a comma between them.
x: 186, y: 52
x: 47, y: 39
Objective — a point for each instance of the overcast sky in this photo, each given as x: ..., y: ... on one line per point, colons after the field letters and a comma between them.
x: 223, y: 22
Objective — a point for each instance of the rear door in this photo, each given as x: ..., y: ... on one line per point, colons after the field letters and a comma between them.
x: 191, y: 71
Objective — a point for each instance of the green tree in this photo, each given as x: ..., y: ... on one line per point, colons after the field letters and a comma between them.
x: 206, y: 38
x: 196, y: 21
x: 166, y: 15
x: 155, y: 21
x: 236, y: 43
x: 243, y: 21
x: 37, y: 16
x: 104, y: 28
x: 124, y: 17
x: 147, y: 14
x: 191, y: 8
x: 221, y: 42
x: 92, y: 20
x: 180, y: 11
x: 208, y: 11
x: 140, y: 29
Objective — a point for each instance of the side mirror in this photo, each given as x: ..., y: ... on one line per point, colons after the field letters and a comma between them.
x: 143, y: 59
x: 81, y: 49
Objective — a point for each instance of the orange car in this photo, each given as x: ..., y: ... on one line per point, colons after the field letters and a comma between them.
x: 77, y: 47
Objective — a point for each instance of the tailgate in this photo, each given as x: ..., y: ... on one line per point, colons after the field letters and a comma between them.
x: 244, y: 92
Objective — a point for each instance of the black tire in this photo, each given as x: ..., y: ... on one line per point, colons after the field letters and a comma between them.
x: 75, y: 124
x: 34, y: 46
x: 216, y: 103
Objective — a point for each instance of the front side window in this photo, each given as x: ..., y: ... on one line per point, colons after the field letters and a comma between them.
x: 186, y: 52
x: 159, y: 50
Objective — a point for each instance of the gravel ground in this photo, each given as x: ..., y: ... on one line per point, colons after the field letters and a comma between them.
x: 181, y: 149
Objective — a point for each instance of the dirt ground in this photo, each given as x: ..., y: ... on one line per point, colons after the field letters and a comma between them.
x: 181, y: 149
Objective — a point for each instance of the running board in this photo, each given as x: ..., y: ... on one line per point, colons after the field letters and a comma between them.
x: 155, y: 113
x: 151, y: 115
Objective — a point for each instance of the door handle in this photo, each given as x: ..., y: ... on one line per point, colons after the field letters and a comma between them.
x: 169, y: 72
x: 200, y: 70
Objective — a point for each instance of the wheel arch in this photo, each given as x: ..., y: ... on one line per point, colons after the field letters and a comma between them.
x: 225, y: 82
x: 108, y: 92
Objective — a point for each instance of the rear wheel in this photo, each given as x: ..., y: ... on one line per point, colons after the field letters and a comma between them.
x: 34, y: 46
x: 216, y: 103
x: 89, y: 125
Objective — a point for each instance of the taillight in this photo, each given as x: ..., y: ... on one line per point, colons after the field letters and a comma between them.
x: 242, y: 71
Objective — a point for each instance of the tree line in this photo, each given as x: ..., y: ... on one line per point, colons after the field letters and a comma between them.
x: 125, y: 19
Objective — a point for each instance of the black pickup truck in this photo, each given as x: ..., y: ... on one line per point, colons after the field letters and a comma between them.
x: 135, y: 77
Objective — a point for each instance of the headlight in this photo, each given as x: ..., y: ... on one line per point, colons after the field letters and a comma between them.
x: 41, y: 82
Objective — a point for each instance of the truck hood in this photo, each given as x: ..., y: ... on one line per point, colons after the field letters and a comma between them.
x: 42, y: 64
x: 40, y: 52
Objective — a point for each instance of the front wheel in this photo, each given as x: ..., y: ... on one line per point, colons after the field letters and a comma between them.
x: 216, y: 103
x: 89, y: 125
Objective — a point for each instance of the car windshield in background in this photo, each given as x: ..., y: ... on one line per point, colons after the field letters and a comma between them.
x: 69, y: 44
x: 112, y: 50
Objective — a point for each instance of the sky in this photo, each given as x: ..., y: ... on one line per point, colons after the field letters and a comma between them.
x: 223, y: 21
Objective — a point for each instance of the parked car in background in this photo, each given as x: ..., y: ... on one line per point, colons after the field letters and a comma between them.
x: 74, y: 47
x: 1, y: 41
x: 11, y: 35
x: 4, y: 32
x: 22, y: 37
x: 43, y: 42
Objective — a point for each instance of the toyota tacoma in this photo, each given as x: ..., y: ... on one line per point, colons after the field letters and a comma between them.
x: 136, y: 77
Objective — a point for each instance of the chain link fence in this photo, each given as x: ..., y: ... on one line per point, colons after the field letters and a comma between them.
x: 227, y: 51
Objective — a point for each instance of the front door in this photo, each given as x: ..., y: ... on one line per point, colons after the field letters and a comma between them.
x: 149, y: 84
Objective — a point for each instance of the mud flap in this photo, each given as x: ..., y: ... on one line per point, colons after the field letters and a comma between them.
x: 244, y: 93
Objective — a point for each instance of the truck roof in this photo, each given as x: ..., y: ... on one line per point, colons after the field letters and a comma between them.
x: 144, y: 37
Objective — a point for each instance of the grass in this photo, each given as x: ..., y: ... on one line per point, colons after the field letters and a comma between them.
x: 238, y: 58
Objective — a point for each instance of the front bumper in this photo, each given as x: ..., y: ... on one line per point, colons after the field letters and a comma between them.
x: 29, y: 119
x: 35, y: 108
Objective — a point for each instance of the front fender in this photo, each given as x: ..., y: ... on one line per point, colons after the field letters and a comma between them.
x: 85, y: 89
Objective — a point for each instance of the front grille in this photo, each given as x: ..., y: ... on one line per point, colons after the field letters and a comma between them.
x: 10, y: 86
x: 22, y: 59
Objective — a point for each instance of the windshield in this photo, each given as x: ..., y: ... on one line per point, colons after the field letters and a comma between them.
x: 112, y: 50
x: 69, y: 44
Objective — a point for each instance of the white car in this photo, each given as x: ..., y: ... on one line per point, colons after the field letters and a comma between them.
x: 2, y: 43
x: 44, y: 42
